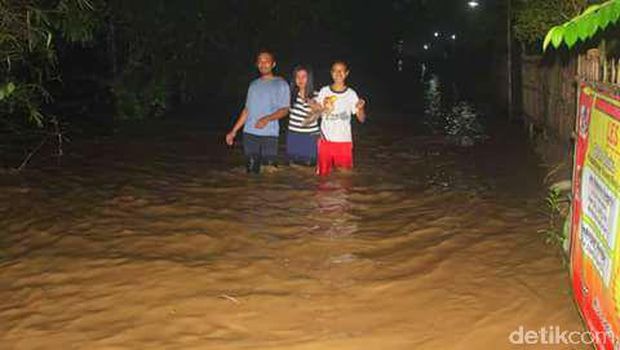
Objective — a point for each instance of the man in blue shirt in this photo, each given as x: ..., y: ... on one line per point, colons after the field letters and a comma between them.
x: 267, y: 101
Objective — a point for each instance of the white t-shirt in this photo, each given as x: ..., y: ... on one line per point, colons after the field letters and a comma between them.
x: 336, y: 124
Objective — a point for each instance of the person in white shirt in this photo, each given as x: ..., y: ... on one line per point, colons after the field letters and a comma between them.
x: 338, y: 103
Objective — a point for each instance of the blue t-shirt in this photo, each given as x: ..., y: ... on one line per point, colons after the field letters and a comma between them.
x: 265, y: 96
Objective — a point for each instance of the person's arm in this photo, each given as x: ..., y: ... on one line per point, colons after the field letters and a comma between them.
x: 360, y: 112
x: 358, y: 109
x: 316, y: 110
x: 277, y: 115
x: 230, y: 137
x: 283, y: 102
x: 315, y: 107
x: 317, y: 104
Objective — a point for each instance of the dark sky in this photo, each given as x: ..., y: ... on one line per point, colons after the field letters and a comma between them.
x: 376, y: 22
x: 471, y: 26
x: 208, y: 46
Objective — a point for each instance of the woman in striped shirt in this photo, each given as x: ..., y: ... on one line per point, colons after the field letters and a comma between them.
x: 301, y: 140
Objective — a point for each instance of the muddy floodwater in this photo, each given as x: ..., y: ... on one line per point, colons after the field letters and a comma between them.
x: 157, y: 239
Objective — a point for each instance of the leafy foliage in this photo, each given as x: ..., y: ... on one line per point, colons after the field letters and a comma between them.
x: 557, y: 211
x: 582, y: 27
x: 155, y: 50
x: 28, y: 33
x: 166, y: 52
x: 533, y: 18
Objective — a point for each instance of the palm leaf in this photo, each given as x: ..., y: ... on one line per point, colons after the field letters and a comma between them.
x: 594, y: 19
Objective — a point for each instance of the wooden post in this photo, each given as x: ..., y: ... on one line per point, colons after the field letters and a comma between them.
x: 593, y: 65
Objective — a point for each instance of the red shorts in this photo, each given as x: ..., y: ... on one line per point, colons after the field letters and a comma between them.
x: 330, y: 154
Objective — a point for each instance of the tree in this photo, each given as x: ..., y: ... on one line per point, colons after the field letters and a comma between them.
x: 29, y: 33
x: 532, y: 18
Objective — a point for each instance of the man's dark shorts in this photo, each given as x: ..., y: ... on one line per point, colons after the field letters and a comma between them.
x: 265, y: 147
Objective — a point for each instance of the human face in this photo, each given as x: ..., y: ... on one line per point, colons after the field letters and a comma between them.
x: 265, y: 64
x: 340, y: 72
x: 301, y: 79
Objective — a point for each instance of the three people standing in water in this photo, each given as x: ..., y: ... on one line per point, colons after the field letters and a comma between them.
x: 269, y: 99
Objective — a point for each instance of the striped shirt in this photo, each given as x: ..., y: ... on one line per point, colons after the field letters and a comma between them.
x: 299, y: 111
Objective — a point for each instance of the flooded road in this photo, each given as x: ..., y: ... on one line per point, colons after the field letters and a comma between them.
x: 158, y: 240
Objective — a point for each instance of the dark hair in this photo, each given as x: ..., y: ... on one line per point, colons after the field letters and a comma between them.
x: 268, y: 52
x: 342, y: 62
x: 309, y: 85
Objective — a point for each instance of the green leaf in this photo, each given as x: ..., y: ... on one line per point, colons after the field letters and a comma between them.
x: 570, y: 35
x: 591, y: 9
x: 594, y: 18
x: 583, y: 29
x: 10, y: 87
x: 590, y: 25
x: 2, y: 95
x: 35, y: 116
x: 603, y: 17
x: 614, y: 10
x: 548, y: 38
x: 557, y: 36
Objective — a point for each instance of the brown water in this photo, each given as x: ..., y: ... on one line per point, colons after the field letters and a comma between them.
x: 153, y: 242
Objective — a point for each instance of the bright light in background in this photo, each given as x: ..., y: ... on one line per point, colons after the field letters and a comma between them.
x: 473, y: 3
x: 436, y: 34
x: 425, y: 46
x: 453, y: 37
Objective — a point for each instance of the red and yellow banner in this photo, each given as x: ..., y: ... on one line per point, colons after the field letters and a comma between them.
x: 595, y: 245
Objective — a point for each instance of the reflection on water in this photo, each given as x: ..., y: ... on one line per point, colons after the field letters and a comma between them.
x: 334, y: 216
x: 434, y: 106
x: 167, y: 244
x: 463, y: 124
x: 446, y: 114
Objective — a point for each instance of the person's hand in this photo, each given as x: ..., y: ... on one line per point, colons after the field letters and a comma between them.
x: 315, y: 107
x: 230, y: 138
x: 328, y: 105
x: 262, y: 122
x: 360, y: 104
x: 313, y: 117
